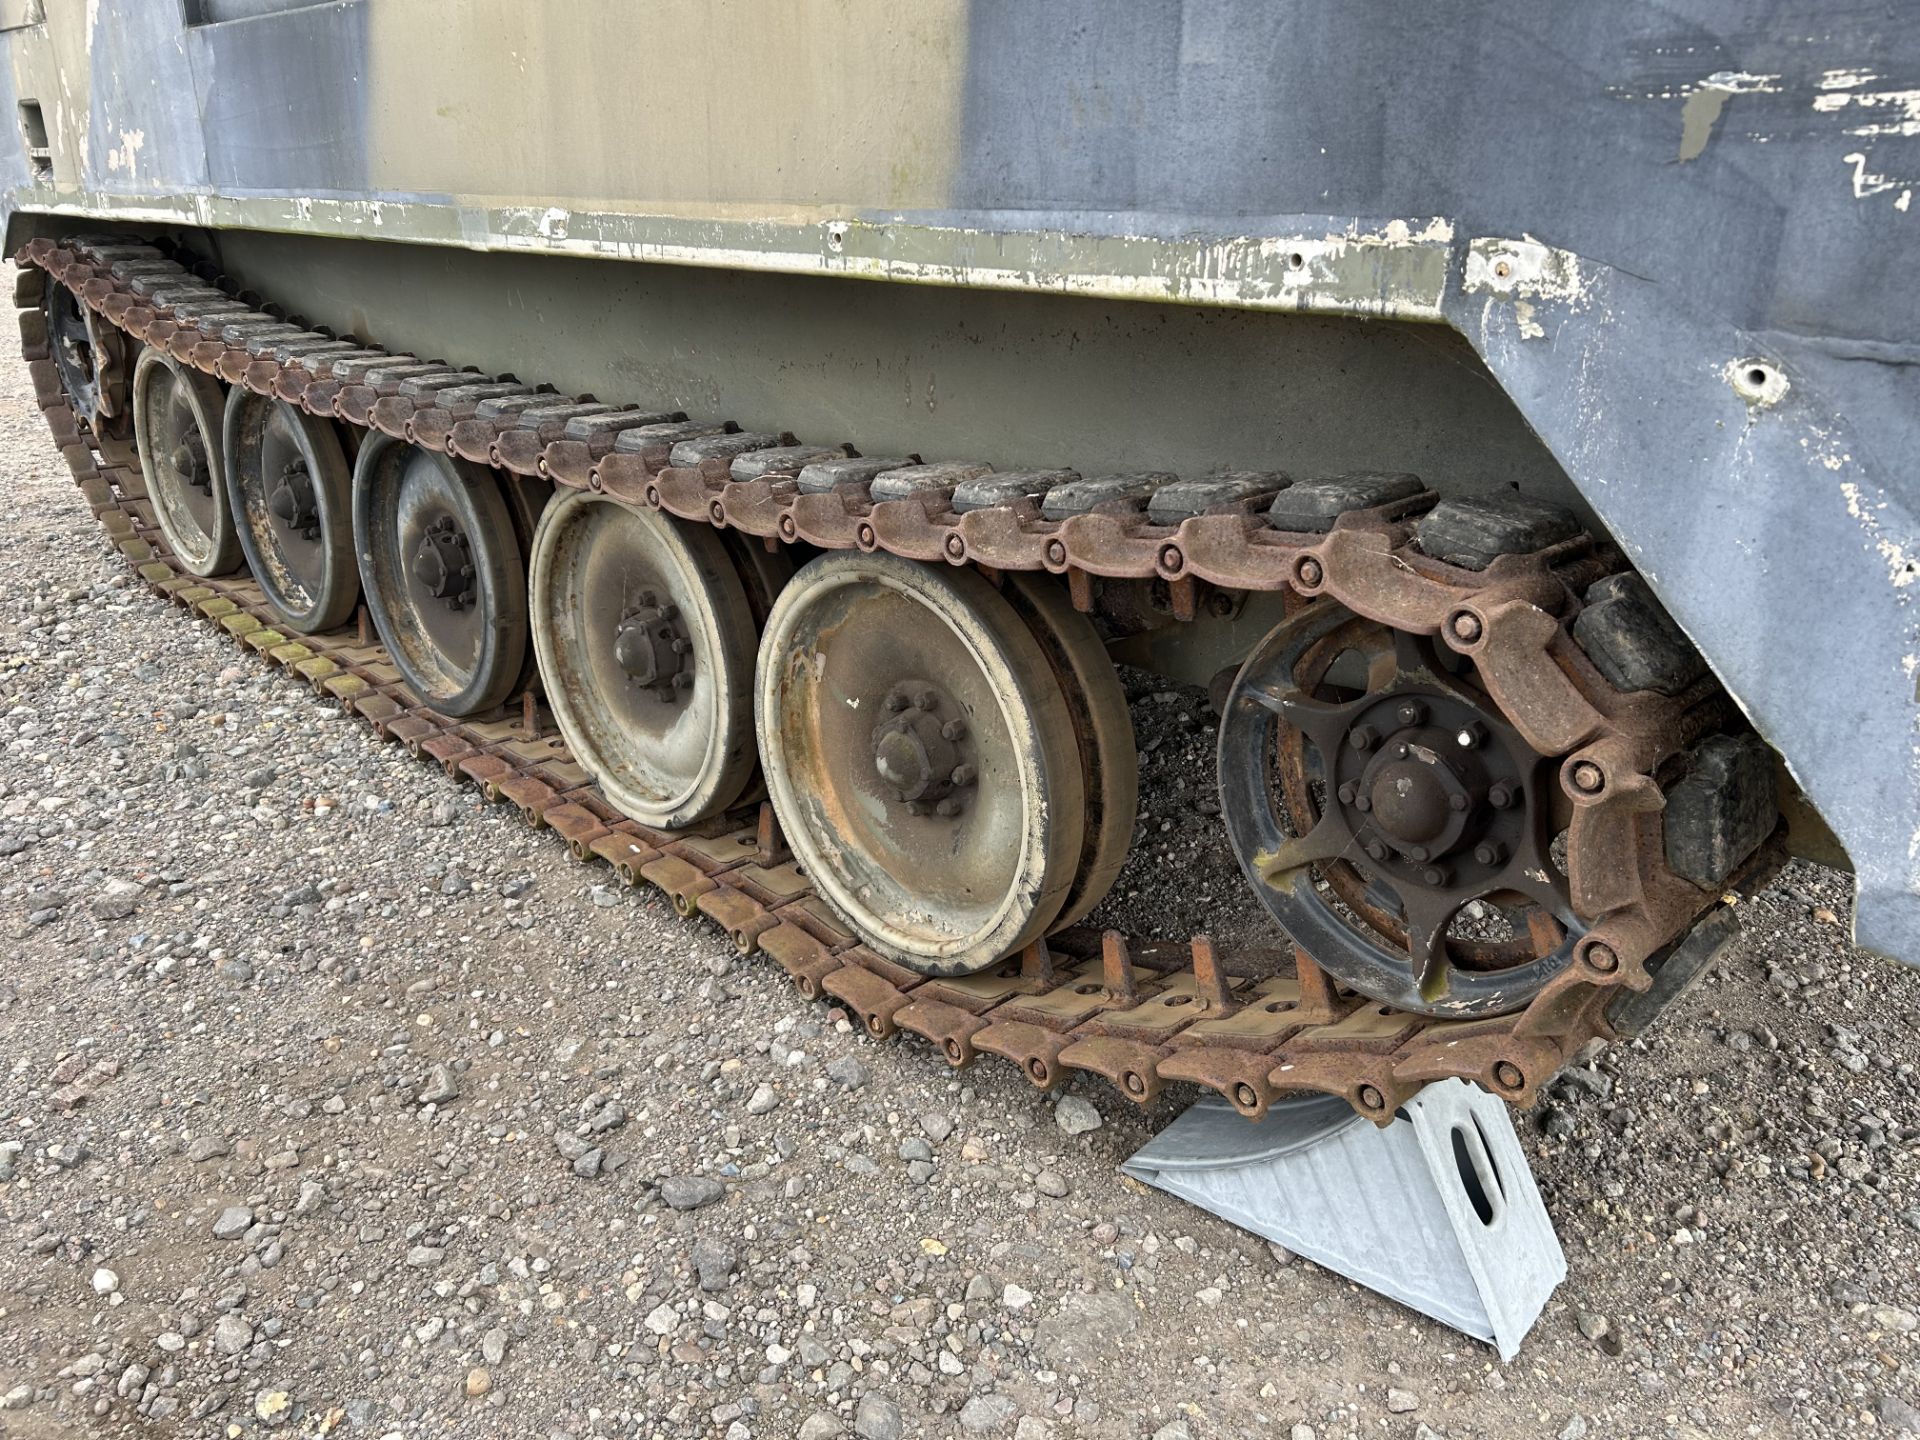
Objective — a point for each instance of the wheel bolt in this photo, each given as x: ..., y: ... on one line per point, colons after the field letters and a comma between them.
x: 1588, y: 778
x: 1500, y: 796
x: 1490, y: 852
x: 1363, y: 737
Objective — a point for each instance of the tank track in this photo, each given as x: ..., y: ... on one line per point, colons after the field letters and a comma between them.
x: 1252, y: 1025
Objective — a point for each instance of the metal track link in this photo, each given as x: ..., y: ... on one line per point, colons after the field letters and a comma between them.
x: 1251, y: 1025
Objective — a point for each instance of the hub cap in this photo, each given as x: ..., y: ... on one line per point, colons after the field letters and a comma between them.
x: 291, y: 501
x: 917, y: 754
x: 653, y: 649
x: 443, y: 563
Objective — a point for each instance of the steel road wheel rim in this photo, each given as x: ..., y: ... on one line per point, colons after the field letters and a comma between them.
x: 945, y: 894
x: 664, y: 754
x: 174, y: 413
x: 442, y: 570
x: 1097, y: 703
x: 309, y: 580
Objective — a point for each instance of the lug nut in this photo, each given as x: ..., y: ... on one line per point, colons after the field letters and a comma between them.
x: 948, y: 807
x: 1417, y: 853
x: 1411, y: 712
x: 1363, y: 737
x: 1458, y: 801
x: 896, y: 702
x: 1490, y: 852
x: 1587, y: 777
x: 1347, y: 792
x: 964, y: 774
x: 1472, y: 734
x: 1500, y: 795
x: 1376, y: 850
x: 1434, y: 875
x: 954, y: 729
x: 1363, y: 801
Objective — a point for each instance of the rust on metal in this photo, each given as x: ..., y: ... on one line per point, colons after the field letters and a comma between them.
x: 1141, y: 1014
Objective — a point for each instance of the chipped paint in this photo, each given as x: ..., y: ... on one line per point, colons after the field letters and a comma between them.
x: 125, y: 156
x: 1903, y: 567
x: 1392, y: 269
x: 1889, y: 112
x: 1525, y: 269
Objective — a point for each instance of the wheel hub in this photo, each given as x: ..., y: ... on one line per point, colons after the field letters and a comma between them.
x: 189, y: 462
x: 653, y: 649
x: 443, y: 563
x: 291, y: 500
x: 917, y: 750
x: 1431, y: 794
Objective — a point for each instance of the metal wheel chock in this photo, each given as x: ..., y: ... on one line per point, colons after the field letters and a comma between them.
x: 1438, y: 1210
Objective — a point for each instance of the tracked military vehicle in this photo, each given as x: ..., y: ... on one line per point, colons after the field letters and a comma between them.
x: 750, y: 452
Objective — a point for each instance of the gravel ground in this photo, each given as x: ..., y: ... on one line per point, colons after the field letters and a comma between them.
x: 336, y: 1103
